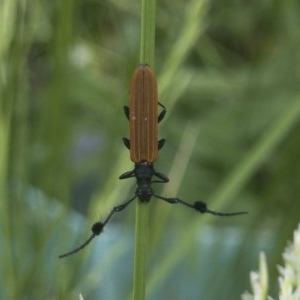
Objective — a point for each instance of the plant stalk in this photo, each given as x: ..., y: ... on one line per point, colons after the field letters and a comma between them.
x: 142, y: 209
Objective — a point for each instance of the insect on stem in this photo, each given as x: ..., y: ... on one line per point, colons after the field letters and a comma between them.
x: 144, y: 145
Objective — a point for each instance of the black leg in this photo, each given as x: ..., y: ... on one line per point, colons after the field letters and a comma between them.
x: 126, y: 175
x: 163, y: 112
x: 126, y: 142
x: 163, y: 178
x: 161, y: 143
x: 126, y: 111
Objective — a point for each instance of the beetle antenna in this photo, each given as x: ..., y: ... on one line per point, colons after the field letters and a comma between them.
x: 97, y: 227
x: 78, y: 248
x: 201, y: 207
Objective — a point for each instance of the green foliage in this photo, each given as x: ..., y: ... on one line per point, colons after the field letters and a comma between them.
x: 229, y: 76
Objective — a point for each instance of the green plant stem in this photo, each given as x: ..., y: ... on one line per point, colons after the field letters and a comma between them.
x: 147, y: 32
x: 140, y: 257
x: 142, y: 209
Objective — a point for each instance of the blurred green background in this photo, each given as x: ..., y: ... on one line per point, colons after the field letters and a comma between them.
x: 229, y: 77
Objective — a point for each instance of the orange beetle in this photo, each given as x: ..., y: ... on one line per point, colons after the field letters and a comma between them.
x: 143, y: 117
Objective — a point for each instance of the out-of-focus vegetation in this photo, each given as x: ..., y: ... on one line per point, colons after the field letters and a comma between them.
x: 229, y: 76
x: 288, y: 280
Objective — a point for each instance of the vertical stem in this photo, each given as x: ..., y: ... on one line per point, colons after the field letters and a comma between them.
x: 140, y: 257
x: 147, y: 32
x: 142, y: 209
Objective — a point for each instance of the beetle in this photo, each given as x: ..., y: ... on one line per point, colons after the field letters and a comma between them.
x: 143, y: 117
x: 144, y: 145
